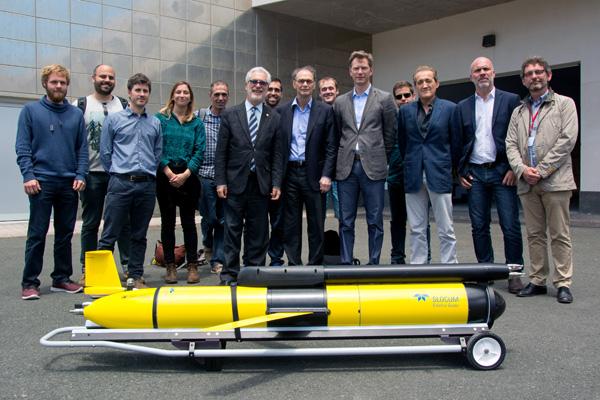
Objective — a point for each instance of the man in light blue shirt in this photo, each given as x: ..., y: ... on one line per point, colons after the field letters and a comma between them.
x: 130, y: 150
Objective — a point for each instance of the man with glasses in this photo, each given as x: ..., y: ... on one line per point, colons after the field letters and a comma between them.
x: 483, y: 169
x: 366, y: 124
x: 309, y: 150
x: 210, y: 206
x: 95, y: 108
x: 248, y: 171
x: 403, y: 94
x: 541, y: 136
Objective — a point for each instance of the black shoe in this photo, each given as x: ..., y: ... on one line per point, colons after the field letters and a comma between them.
x: 226, y: 282
x: 532, y: 290
x: 564, y: 295
x: 515, y: 285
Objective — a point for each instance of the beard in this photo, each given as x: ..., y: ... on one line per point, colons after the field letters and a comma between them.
x: 56, y: 96
x: 99, y: 89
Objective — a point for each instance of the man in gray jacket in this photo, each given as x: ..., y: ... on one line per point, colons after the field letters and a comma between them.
x: 366, y: 122
x: 541, y: 135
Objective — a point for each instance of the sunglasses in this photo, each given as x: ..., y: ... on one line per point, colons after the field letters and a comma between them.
x: 258, y: 82
x: 403, y: 95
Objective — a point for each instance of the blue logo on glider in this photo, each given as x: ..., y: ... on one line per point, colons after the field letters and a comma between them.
x: 421, y: 297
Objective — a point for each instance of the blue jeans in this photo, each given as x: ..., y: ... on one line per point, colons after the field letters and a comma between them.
x: 57, y: 194
x: 128, y: 201
x: 92, y: 205
x: 211, y: 209
x: 487, y: 185
x: 373, y: 191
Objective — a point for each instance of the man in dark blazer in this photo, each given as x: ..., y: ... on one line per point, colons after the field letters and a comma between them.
x: 248, y: 171
x: 429, y: 144
x: 484, y: 170
x: 310, y: 148
x: 366, y: 124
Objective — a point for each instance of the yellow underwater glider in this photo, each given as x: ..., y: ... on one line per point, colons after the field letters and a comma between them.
x: 452, y: 302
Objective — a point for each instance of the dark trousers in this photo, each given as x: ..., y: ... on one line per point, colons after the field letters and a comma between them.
x: 57, y: 194
x: 245, y: 212
x: 298, y: 194
x: 397, y: 222
x: 186, y: 198
x: 211, y: 209
x: 92, y: 205
x: 487, y: 185
x: 134, y: 202
x: 275, y: 249
x: 372, y: 191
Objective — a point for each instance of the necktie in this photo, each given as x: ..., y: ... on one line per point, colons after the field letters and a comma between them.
x: 253, y: 126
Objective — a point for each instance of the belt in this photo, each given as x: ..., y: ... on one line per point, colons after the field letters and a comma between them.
x: 487, y: 165
x: 297, y: 164
x: 135, y: 178
x: 356, y: 157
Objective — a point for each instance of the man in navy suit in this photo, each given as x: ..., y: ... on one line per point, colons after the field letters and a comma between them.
x: 429, y: 143
x: 484, y: 170
x: 310, y: 150
x: 248, y: 170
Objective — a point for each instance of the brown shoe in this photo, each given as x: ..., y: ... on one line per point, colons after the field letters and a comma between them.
x: 515, y: 285
x: 139, y: 283
x: 171, y: 276
x: 193, y: 276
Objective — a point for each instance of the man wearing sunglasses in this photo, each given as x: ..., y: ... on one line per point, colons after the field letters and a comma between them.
x: 541, y: 136
x: 248, y: 172
x: 95, y: 108
x: 483, y: 168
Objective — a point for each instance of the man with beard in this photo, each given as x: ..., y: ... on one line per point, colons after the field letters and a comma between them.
x: 95, y: 108
x: 274, y: 93
x: 541, y: 136
x: 483, y: 168
x: 52, y: 154
x: 130, y: 150
x: 248, y: 169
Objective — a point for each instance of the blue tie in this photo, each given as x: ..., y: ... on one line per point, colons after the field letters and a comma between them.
x: 253, y: 126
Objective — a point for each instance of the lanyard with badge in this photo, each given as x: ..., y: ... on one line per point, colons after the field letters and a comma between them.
x: 533, y: 127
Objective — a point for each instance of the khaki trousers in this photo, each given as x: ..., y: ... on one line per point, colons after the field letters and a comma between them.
x: 548, y: 213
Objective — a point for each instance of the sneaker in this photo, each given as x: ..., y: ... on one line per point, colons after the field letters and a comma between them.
x: 31, y: 293
x: 68, y: 286
x: 216, y: 268
x: 139, y: 283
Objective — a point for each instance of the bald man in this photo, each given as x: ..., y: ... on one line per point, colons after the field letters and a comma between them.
x: 483, y: 168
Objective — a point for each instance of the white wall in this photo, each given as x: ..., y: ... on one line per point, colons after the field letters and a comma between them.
x: 560, y: 31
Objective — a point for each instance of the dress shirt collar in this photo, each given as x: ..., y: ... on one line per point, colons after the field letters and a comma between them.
x: 540, y: 100
x: 130, y: 112
x: 308, y: 105
x: 492, y: 95
x: 365, y: 93
x: 249, y: 106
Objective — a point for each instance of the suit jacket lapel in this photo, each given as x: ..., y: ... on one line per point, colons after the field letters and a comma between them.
x: 350, y: 108
x: 473, y: 108
x: 497, y: 100
x: 265, y: 117
x: 311, y: 119
x: 368, y: 105
x: 244, y: 120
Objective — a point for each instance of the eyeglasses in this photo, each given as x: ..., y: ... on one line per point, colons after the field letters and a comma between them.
x: 305, y: 81
x: 399, y: 96
x: 258, y: 82
x: 532, y: 72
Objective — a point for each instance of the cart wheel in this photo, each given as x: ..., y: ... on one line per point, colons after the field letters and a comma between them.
x: 485, y: 351
x: 215, y: 364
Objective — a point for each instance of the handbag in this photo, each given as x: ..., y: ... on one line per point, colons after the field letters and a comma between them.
x: 159, y: 254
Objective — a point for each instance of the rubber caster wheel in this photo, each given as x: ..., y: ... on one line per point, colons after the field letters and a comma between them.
x: 213, y: 364
x: 485, y: 351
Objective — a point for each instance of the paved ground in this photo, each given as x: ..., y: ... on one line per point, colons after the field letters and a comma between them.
x: 552, y: 349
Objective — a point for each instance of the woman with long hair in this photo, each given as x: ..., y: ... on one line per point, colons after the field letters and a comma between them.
x: 177, y: 184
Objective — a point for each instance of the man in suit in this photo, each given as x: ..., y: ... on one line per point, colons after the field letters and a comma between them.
x: 309, y: 144
x: 429, y: 141
x: 366, y: 123
x: 483, y: 168
x: 248, y: 170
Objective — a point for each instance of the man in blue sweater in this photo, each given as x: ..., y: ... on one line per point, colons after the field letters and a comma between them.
x: 52, y: 154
